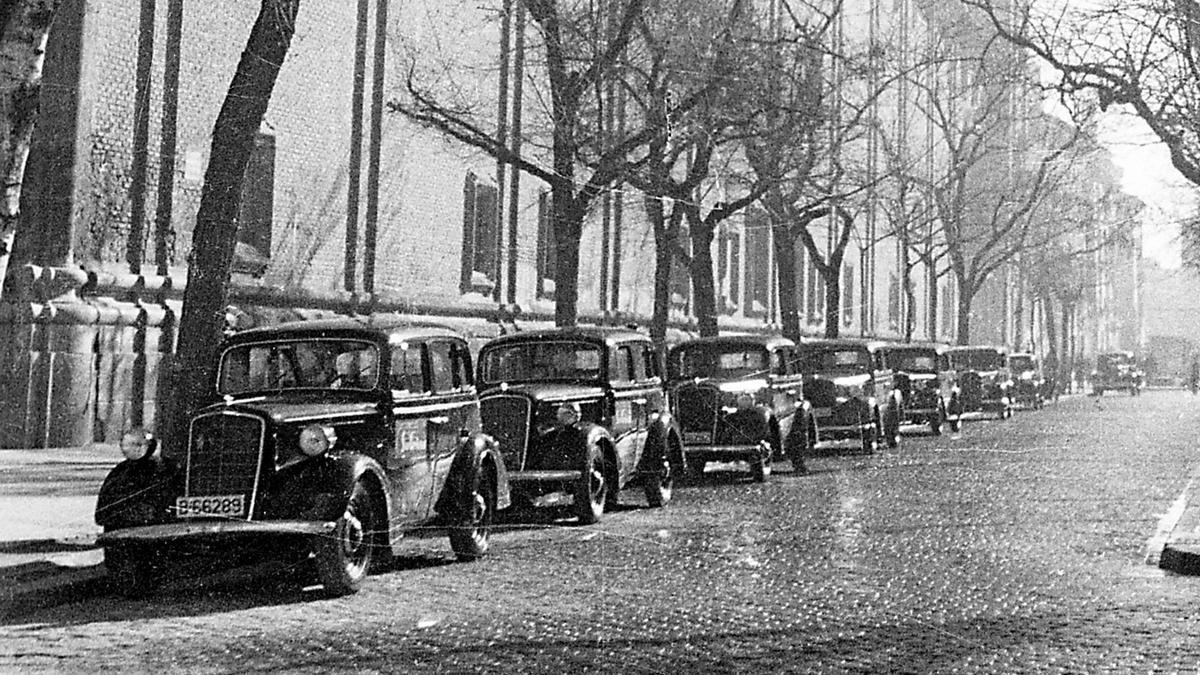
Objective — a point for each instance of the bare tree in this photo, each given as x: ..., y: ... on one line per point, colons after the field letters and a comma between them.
x: 207, y: 294
x: 1144, y: 54
x: 24, y: 29
x: 579, y: 56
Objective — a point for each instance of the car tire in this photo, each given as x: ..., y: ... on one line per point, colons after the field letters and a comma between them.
x: 697, y: 466
x: 660, y: 486
x: 760, y: 464
x: 344, y: 556
x: 132, y: 572
x: 870, y: 437
x: 592, y: 488
x: 937, y: 419
x: 470, y: 538
x: 798, y: 448
x: 891, y: 428
x: 954, y: 412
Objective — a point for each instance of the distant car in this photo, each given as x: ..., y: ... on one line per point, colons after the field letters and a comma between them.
x: 332, y: 437
x: 580, y: 411
x: 1117, y: 371
x: 926, y: 382
x: 985, y: 384
x: 852, y: 391
x: 1029, y: 384
x: 740, y: 397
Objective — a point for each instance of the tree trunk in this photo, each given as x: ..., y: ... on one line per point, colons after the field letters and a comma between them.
x: 207, y: 294
x: 567, y: 235
x: 833, y: 297
x: 704, y: 287
x: 662, y: 270
x: 965, y: 296
x: 785, y: 257
x: 24, y: 29
x: 910, y: 294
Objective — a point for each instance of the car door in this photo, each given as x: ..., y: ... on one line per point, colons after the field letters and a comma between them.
x: 786, y: 388
x: 454, y: 409
x: 629, y: 404
x: 410, y: 461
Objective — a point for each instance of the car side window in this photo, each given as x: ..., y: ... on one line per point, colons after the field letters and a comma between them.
x: 441, y: 367
x: 778, y: 363
x: 463, y: 375
x: 637, y: 360
x: 408, y: 373
x: 652, y: 363
x: 622, y: 365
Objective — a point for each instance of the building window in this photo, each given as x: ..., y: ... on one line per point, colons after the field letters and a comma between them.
x: 847, y: 295
x: 547, y: 254
x: 480, y: 236
x: 728, y: 270
x: 894, y: 301
x: 758, y: 263
x: 816, y: 295
x: 252, y: 253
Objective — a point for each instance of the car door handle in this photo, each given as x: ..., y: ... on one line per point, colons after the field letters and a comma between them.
x: 439, y: 420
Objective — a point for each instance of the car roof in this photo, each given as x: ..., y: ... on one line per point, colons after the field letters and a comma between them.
x: 897, y: 346
x: 967, y: 348
x: 362, y: 328
x: 871, y: 345
x: 756, y: 339
x: 608, y: 335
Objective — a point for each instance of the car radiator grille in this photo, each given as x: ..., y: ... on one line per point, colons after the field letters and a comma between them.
x: 224, y: 455
x: 696, y: 408
x: 506, y: 418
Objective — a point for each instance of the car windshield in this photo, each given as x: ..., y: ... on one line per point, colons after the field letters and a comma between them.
x: 977, y: 359
x: 299, y: 364
x: 834, y: 360
x: 719, y: 361
x: 1112, y: 361
x: 913, y: 360
x: 1021, y: 364
x: 540, y: 361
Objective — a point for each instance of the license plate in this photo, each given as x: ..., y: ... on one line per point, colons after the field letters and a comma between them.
x: 820, y: 413
x: 211, y: 505
x: 696, y: 436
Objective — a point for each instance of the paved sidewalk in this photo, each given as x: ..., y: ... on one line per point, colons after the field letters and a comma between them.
x: 48, y: 551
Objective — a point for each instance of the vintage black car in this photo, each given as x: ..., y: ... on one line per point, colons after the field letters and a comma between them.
x: 333, y: 437
x: 1029, y: 384
x: 1117, y: 371
x: 927, y: 384
x: 580, y: 411
x: 985, y: 384
x: 740, y: 398
x: 852, y: 391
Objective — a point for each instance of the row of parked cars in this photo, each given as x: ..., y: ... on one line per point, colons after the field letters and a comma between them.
x: 333, y: 440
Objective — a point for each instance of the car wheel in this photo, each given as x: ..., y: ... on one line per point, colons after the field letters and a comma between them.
x: 344, y: 556
x: 471, y: 536
x: 660, y: 486
x: 955, y: 414
x: 760, y: 464
x: 131, y: 569
x: 891, y: 429
x: 870, y: 437
x: 591, y: 492
x: 697, y: 466
x: 936, y: 420
x: 798, y: 448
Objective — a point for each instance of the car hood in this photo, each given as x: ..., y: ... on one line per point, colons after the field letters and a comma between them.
x: 284, y: 412
x: 546, y: 391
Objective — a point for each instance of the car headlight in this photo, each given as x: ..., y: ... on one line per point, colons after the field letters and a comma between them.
x: 316, y: 439
x: 137, y: 443
x: 744, y: 401
x: 567, y: 414
x: 1027, y: 376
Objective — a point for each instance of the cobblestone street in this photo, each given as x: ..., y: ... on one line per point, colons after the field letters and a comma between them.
x: 1015, y: 546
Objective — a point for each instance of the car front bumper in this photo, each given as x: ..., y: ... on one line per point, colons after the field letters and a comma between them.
x: 202, y: 529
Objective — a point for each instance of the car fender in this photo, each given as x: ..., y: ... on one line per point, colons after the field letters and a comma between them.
x: 139, y: 492
x: 337, y: 474
x: 473, y: 451
x: 658, y: 441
